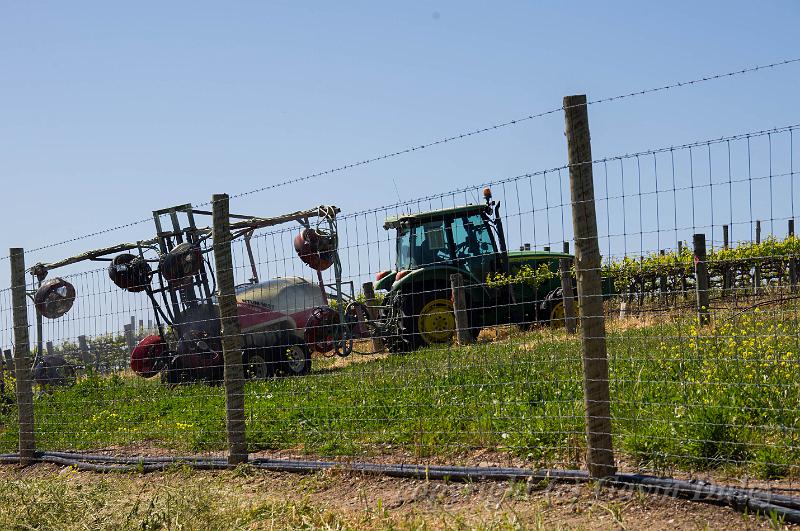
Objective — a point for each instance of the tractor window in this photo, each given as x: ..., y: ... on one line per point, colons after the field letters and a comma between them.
x: 422, y: 245
x: 471, y: 237
x: 429, y: 245
x: 403, y: 248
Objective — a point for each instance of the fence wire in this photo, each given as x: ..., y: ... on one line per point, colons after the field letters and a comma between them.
x: 356, y: 345
x: 448, y: 139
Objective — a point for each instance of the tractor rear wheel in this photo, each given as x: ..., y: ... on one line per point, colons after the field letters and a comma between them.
x: 423, y: 318
x: 434, y: 320
x: 430, y: 318
x: 427, y: 318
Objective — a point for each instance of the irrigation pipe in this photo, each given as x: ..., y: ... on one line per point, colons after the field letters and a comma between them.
x: 752, y: 501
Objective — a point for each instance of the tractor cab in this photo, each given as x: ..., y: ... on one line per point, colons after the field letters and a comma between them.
x: 430, y: 246
x: 469, y: 238
x: 462, y: 236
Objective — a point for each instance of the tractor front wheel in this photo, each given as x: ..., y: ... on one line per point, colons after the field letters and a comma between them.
x: 557, y: 315
x: 554, y: 313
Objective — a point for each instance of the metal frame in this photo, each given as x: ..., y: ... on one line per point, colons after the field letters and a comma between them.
x: 174, y: 232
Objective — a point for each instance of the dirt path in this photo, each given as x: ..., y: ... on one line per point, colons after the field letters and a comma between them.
x: 50, y: 497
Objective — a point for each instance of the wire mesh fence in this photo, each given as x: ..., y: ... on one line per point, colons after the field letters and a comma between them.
x: 450, y: 329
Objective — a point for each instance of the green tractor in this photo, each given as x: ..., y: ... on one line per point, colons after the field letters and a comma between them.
x: 501, y: 287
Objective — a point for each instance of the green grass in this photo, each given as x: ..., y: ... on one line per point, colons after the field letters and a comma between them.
x: 682, y: 397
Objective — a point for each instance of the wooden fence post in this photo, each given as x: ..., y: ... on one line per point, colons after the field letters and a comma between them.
x: 641, y: 285
x: 38, y: 353
x: 701, y: 279
x: 662, y: 280
x: 10, y: 362
x: 463, y: 334
x: 597, y: 399
x: 130, y: 339
x: 684, y: 286
x: 726, y: 269
x: 369, y: 301
x: 792, y: 261
x: 757, y: 271
x: 22, y: 358
x: 231, y: 337
x: 83, y: 346
x: 567, y: 294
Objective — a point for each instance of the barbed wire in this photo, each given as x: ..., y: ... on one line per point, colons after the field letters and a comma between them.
x: 555, y: 169
x: 444, y: 140
x: 514, y: 121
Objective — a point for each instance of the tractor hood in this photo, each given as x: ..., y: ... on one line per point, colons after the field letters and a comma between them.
x: 386, y: 281
x: 525, y: 256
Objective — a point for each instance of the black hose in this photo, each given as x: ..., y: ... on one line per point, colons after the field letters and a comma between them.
x: 99, y: 467
x: 753, y: 501
x: 455, y: 473
x: 739, y: 499
x: 128, y: 460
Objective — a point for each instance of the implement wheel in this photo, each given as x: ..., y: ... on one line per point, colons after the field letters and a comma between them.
x: 295, y: 359
x: 258, y: 365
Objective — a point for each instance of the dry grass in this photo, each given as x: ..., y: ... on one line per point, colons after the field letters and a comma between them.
x: 46, y: 497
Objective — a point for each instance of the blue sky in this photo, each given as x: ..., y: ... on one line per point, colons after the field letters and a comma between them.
x: 110, y: 110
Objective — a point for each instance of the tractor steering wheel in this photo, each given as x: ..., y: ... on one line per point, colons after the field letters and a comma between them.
x: 461, y: 249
